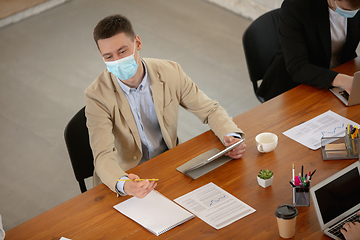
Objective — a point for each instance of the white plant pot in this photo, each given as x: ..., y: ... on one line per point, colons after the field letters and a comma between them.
x: 265, y: 182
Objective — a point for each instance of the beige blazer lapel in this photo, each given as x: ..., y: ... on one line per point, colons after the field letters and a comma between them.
x: 125, y: 111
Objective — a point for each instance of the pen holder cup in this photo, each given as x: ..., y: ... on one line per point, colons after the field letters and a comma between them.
x: 352, y: 145
x: 301, y: 196
x: 340, y: 148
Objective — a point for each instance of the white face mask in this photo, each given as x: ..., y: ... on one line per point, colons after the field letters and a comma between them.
x: 124, y: 68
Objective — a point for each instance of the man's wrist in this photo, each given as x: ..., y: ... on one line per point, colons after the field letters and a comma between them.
x: 235, y: 135
x: 119, y: 186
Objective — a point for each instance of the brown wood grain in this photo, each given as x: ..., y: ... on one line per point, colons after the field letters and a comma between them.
x: 91, y: 214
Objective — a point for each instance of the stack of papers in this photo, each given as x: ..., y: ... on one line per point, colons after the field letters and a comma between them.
x: 214, y: 205
x: 154, y: 212
x: 328, y: 124
x: 210, y: 203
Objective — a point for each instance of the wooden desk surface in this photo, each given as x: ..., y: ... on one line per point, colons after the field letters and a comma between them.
x: 91, y: 214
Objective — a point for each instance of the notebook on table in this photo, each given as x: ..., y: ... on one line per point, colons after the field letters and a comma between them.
x: 337, y: 199
x: 349, y: 99
x: 155, y: 212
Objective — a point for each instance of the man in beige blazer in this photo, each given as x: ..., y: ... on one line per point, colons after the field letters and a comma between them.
x: 132, y: 108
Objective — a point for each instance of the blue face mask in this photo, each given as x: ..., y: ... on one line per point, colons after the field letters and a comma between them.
x: 345, y: 13
x: 124, y: 68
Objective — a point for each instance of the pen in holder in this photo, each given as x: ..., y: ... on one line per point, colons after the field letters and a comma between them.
x: 301, y: 195
x: 352, y: 146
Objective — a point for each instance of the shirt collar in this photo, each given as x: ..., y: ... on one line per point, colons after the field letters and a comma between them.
x: 126, y: 89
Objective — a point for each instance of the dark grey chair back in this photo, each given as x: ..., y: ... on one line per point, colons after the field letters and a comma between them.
x: 78, y: 145
x: 260, y: 42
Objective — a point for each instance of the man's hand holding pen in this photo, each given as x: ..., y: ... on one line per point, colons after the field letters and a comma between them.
x: 138, y: 189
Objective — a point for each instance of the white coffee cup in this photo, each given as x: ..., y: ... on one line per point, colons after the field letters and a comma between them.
x: 266, y: 142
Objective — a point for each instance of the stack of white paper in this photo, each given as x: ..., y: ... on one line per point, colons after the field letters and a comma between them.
x: 154, y: 212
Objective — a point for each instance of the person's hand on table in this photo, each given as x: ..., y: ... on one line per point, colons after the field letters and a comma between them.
x: 351, y: 231
x: 138, y: 189
x: 345, y: 81
x: 237, y: 152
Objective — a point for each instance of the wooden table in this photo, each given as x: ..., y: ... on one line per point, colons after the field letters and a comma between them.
x: 91, y: 214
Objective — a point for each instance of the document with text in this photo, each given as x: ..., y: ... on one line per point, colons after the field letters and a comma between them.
x: 214, y: 205
x: 328, y: 124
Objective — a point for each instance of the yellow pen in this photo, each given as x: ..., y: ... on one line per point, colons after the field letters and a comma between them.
x: 138, y: 180
x: 348, y: 139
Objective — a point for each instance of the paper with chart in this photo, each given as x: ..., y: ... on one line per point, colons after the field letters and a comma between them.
x: 328, y: 124
x: 214, y: 205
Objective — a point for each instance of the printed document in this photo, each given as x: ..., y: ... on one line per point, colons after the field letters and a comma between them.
x: 328, y: 124
x: 214, y: 205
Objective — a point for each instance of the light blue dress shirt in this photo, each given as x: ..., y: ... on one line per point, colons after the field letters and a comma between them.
x: 142, y: 106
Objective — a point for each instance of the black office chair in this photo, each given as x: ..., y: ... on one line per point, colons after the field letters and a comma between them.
x: 78, y: 145
x: 260, y: 42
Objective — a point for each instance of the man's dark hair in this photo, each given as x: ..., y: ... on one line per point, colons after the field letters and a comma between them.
x: 111, y: 26
x: 354, y: 4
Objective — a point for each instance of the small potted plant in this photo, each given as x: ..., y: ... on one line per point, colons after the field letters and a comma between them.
x: 265, y: 178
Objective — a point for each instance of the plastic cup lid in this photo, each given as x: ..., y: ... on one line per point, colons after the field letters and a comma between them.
x: 286, y: 211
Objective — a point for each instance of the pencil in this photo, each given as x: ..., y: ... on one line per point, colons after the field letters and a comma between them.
x: 138, y: 180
